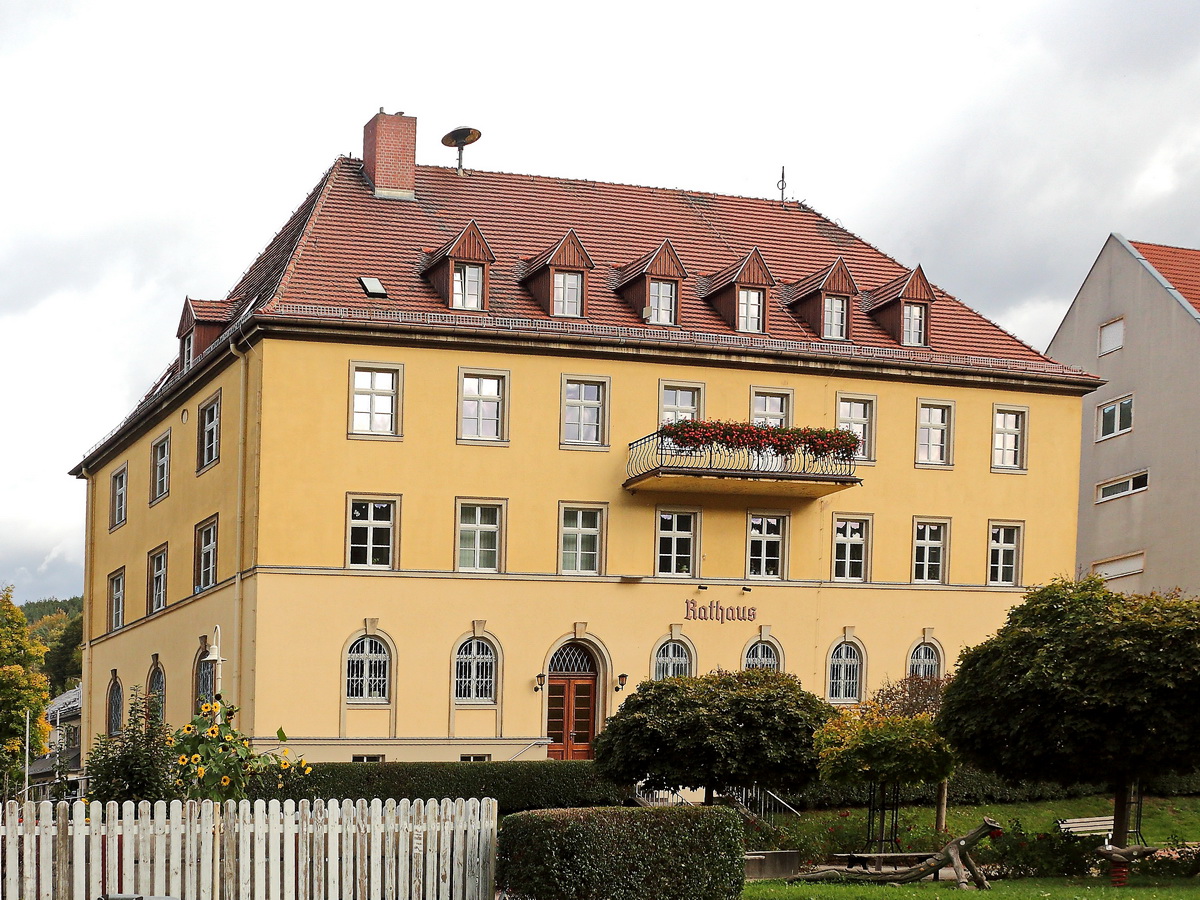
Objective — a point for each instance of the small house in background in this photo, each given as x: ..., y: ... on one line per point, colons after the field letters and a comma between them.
x: 1136, y: 323
x: 63, y: 765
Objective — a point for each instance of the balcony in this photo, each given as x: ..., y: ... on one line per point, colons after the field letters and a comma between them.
x: 658, y: 464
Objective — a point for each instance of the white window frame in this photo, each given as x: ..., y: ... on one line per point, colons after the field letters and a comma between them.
x: 208, y: 433
x: 861, y: 423
x: 1133, y: 483
x: 579, y: 406
x: 467, y: 292
x: 501, y: 398
x: 843, y: 549
x: 928, y: 430
x: 918, y: 668
x: 752, y: 309
x: 371, y: 396
x: 373, y: 528
x: 160, y: 468
x: 207, y: 537
x: 663, y: 301
x: 475, y: 672
x: 568, y: 287
x: 116, y: 599
x: 836, y: 688
x: 359, y: 685
x: 763, y: 414
x: 996, y: 564
x: 1004, y: 434
x: 835, y: 317
x: 475, y: 529
x: 676, y: 412
x: 753, y: 657
x: 675, y: 535
x: 923, y: 545
x: 764, y: 539
x: 186, y: 355
x: 1114, y: 326
x: 1116, y: 405
x: 118, y: 505
x: 915, y: 326
x: 579, y: 532
x: 156, y: 579
x: 673, y: 658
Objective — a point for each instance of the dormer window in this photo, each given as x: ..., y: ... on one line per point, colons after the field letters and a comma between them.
x: 751, y: 303
x: 468, y: 286
x: 568, y: 293
x: 836, y: 318
x: 664, y: 303
x: 915, y: 331
x: 185, y: 351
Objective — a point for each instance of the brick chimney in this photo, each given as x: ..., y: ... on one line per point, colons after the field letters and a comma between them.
x: 390, y: 155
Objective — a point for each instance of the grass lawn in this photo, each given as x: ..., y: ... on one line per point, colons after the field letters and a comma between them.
x: 1031, y: 888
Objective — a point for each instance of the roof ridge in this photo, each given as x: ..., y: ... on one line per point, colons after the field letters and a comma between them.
x: 1164, y: 246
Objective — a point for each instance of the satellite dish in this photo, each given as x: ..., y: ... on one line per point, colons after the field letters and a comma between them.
x: 459, y: 138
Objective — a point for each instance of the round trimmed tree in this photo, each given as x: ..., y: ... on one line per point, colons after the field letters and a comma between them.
x: 1082, y: 684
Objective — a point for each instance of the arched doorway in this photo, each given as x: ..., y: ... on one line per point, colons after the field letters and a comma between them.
x: 571, y: 702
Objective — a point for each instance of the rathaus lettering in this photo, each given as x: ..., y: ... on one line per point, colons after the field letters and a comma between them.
x: 715, y: 612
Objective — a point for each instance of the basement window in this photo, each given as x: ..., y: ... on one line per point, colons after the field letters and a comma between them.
x: 372, y: 286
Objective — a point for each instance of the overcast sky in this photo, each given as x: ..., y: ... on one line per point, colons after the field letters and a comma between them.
x: 151, y: 149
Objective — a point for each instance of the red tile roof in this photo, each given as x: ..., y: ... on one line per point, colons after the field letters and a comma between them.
x: 342, y: 231
x: 1179, y: 265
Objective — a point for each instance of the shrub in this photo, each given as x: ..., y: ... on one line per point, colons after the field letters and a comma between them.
x: 1051, y: 854
x: 1176, y: 860
x: 136, y: 763
x: 674, y: 853
x: 515, y: 786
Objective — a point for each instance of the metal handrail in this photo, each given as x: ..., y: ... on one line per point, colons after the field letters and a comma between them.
x: 657, y: 452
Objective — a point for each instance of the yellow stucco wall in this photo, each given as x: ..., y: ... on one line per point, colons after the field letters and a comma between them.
x: 301, y: 605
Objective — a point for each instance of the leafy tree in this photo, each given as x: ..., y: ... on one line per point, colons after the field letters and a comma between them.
x: 21, y: 688
x: 36, y: 610
x: 48, y: 629
x: 135, y: 764
x: 64, y: 659
x: 911, y: 696
x: 721, y: 730
x: 1082, y: 684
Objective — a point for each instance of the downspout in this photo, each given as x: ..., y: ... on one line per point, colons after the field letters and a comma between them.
x: 240, y: 528
x: 89, y: 562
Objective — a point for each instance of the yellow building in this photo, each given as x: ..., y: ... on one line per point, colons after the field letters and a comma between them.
x: 410, y: 467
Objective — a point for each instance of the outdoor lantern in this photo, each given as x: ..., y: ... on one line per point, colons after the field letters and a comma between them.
x: 541, y: 682
x: 621, y: 679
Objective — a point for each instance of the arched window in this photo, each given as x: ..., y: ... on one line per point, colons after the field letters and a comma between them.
x: 475, y: 672
x: 367, y: 670
x: 845, y: 673
x: 156, y: 691
x: 673, y: 660
x: 924, y: 662
x: 116, y: 713
x: 573, y: 659
x: 206, y: 684
x: 762, y: 655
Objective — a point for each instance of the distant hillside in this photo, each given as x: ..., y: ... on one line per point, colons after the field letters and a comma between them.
x: 39, y: 609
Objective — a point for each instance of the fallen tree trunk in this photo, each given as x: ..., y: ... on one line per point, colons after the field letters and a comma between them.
x: 955, y: 854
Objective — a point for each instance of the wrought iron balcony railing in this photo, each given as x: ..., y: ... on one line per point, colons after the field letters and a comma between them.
x: 655, y: 455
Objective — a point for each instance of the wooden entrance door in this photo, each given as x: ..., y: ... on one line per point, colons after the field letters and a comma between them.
x: 571, y: 703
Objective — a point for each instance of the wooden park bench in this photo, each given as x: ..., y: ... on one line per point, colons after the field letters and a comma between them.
x: 1096, y: 825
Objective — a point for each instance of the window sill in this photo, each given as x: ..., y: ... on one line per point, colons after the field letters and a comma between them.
x: 945, y: 467
x: 369, y: 568
x: 479, y: 571
x: 1115, y: 434
x: 372, y: 436
x: 861, y: 461
x: 475, y: 704
x: 1009, y: 470
x: 154, y: 501
x: 372, y: 702
x: 569, y: 445
x: 483, y: 442
x: 121, y: 524
x: 204, y: 468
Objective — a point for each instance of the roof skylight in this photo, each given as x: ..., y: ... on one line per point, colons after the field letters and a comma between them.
x: 373, y: 286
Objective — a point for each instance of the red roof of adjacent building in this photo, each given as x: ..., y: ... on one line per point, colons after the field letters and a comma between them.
x: 342, y: 231
x: 1179, y: 265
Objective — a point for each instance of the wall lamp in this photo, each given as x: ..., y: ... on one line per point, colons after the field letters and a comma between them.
x: 746, y: 590
x: 621, y: 679
x: 541, y: 682
x: 702, y: 587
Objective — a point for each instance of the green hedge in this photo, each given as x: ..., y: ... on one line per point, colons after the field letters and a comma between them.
x: 516, y: 786
x: 671, y: 853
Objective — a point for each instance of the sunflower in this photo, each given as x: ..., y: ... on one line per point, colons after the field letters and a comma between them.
x: 187, y: 729
x: 213, y: 732
x: 308, y: 770
x: 206, y: 708
x: 195, y: 757
x: 178, y: 782
x: 199, y: 771
x: 285, y: 764
x: 224, y: 781
x: 183, y: 760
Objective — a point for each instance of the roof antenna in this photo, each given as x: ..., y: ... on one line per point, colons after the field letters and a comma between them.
x: 459, y: 138
x: 781, y: 184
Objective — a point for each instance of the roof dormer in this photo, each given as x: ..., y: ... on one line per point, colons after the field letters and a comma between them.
x: 557, y: 277
x: 651, y: 285
x: 200, y: 323
x: 901, y: 307
x: 823, y: 300
x: 460, y: 269
x: 739, y: 292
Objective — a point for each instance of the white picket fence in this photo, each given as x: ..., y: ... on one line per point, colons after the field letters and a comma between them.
x: 323, y: 850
